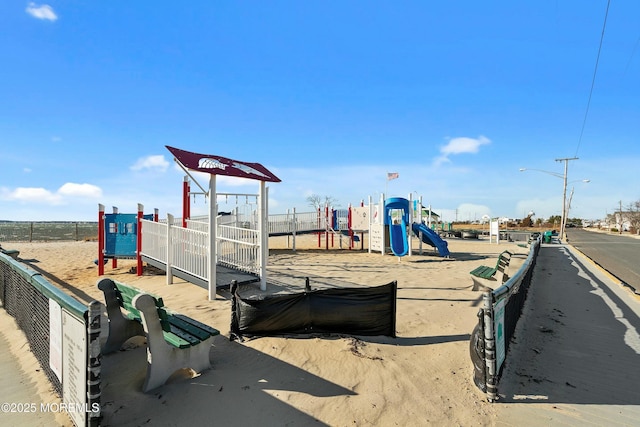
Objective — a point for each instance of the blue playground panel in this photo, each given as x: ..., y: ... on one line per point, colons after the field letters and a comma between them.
x: 396, y: 203
x: 121, y: 234
x: 397, y: 231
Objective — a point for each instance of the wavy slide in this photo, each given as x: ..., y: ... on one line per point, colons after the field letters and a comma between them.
x: 398, y: 239
x: 431, y: 238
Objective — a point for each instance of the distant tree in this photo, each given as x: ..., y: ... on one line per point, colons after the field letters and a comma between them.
x: 574, y: 222
x: 633, y: 216
x: 316, y: 201
x: 555, y: 220
x: 610, y: 219
x: 528, y: 221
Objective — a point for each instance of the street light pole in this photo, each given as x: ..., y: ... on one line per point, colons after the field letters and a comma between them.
x: 563, y: 177
x: 563, y: 220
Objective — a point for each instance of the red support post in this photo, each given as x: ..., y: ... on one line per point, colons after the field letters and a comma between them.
x: 349, y: 228
x: 139, y: 241
x: 188, y: 201
x: 100, y: 240
x: 185, y: 202
x: 319, y: 232
x: 326, y: 225
x: 362, y: 234
x: 114, y: 260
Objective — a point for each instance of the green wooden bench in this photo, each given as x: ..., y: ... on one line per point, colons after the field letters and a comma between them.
x: 13, y: 253
x: 174, y: 341
x: 492, y: 273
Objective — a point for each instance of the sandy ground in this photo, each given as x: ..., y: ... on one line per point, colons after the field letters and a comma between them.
x: 421, y: 377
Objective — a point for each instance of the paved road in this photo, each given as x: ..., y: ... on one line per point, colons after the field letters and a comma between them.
x: 618, y: 254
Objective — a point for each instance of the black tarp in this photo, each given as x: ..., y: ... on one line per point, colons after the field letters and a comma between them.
x: 476, y: 351
x: 354, y: 311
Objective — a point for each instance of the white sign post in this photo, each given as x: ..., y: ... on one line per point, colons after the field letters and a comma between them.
x: 494, y: 230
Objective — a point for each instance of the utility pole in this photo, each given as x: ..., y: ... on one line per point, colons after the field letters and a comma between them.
x: 621, y: 222
x: 564, y: 195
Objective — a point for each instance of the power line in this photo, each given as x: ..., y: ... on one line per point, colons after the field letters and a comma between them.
x: 631, y: 57
x: 593, y: 80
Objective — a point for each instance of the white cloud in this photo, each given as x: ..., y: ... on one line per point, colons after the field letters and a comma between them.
x: 43, y: 196
x: 33, y: 194
x: 80, y: 190
x: 157, y: 162
x: 44, y: 12
x: 460, y: 145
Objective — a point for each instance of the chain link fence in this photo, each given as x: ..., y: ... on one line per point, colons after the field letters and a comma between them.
x: 24, y: 231
x: 29, y: 298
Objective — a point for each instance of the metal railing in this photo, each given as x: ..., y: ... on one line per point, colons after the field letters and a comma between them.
x: 189, y: 251
x: 46, y: 314
x: 239, y: 248
x: 497, y: 320
x: 290, y: 223
x: 154, y: 241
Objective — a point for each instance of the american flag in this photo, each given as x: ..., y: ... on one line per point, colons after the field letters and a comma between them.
x: 392, y: 175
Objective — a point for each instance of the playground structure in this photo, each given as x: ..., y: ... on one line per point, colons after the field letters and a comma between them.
x: 395, y: 221
x: 180, y: 246
x: 118, y: 236
x: 229, y: 244
x: 325, y: 222
x: 234, y: 245
x: 196, y: 250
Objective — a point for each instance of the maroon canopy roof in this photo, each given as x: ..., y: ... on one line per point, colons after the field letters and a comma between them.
x: 218, y: 165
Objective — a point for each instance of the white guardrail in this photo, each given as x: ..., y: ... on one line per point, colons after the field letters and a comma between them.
x: 238, y: 240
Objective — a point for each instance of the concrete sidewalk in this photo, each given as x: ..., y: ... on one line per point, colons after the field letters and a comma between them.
x: 575, y: 359
x: 19, y: 397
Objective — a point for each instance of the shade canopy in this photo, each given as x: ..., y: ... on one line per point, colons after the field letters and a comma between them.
x: 218, y: 165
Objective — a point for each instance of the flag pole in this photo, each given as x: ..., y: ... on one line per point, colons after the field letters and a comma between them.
x: 386, y: 186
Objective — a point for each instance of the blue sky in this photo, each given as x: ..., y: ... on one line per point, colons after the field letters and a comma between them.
x: 454, y: 96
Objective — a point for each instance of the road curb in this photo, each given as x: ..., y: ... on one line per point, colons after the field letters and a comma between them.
x: 604, y: 271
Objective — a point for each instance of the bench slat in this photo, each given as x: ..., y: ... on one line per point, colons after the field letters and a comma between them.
x: 200, y: 325
x: 179, y: 339
x: 484, y: 271
x: 176, y: 322
x: 126, y: 294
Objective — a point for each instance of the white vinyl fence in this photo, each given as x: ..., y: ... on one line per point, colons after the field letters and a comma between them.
x: 238, y: 240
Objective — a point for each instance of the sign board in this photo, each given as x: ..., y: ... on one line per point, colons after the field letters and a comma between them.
x: 377, y: 237
x: 74, y: 367
x: 218, y: 165
x: 55, y: 338
x: 494, y: 230
x: 360, y: 218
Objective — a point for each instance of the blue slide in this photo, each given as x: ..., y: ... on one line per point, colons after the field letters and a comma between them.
x: 431, y: 238
x: 398, y: 239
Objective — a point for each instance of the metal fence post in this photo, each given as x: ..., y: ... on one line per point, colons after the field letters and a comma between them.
x: 94, y: 364
x: 489, y: 346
